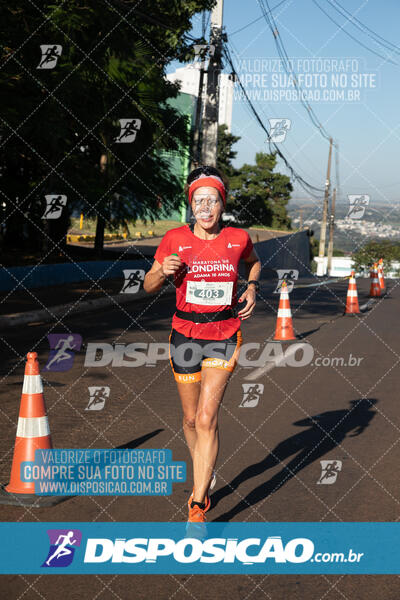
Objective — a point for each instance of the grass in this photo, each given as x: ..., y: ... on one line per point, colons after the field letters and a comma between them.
x: 159, y: 228
x: 265, y: 228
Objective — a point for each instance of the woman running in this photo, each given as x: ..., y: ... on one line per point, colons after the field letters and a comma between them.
x: 205, y: 338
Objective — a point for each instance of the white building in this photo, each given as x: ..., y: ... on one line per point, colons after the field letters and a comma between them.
x: 343, y: 265
x: 189, y: 77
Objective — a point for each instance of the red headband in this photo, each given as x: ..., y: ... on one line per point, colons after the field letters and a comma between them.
x: 210, y: 181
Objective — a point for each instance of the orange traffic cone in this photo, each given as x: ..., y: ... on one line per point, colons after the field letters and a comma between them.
x: 352, y: 306
x: 33, y: 428
x: 284, y: 326
x: 380, y: 274
x: 375, y: 290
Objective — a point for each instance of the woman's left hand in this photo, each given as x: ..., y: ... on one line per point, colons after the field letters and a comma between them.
x: 250, y: 297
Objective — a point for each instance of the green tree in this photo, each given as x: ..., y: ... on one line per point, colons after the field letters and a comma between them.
x: 373, y: 250
x: 59, y: 126
x: 260, y: 195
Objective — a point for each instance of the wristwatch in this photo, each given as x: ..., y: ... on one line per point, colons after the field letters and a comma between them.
x: 255, y: 283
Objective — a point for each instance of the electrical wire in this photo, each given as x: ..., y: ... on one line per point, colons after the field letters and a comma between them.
x: 364, y: 28
x: 255, y: 20
x: 309, y: 188
x: 317, y: 169
x: 341, y: 28
x: 287, y: 66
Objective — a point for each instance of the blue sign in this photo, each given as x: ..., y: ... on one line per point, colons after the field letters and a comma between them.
x: 98, y: 472
x: 212, y: 548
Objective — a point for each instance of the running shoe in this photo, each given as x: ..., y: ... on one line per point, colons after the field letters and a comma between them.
x: 208, y: 502
x: 196, y: 515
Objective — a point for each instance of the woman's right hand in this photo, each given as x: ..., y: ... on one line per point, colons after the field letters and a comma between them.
x: 171, y: 264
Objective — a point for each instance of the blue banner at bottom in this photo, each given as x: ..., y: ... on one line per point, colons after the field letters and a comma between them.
x: 212, y: 548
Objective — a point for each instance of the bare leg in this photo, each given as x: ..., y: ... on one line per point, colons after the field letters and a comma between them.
x: 189, y: 394
x: 213, y: 386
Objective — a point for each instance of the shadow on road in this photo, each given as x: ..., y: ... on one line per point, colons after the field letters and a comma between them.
x: 325, y: 432
x: 140, y: 440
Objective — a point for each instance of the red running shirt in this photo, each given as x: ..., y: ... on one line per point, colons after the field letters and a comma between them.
x: 210, y: 271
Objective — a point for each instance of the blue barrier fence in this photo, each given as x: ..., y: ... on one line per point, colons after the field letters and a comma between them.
x: 36, y: 276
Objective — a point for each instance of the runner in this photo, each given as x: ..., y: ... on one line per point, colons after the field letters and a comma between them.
x: 205, y: 338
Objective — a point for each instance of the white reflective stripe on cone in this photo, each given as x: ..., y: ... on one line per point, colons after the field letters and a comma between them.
x: 352, y: 293
x: 29, y: 427
x: 32, y: 384
x: 284, y: 312
x: 285, y: 295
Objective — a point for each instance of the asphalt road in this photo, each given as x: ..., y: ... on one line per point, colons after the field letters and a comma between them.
x: 269, y: 461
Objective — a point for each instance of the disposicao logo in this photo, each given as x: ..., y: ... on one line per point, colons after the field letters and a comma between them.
x: 190, y: 550
x: 62, y: 351
x: 62, y: 547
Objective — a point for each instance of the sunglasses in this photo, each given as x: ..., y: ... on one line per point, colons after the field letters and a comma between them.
x: 212, y: 199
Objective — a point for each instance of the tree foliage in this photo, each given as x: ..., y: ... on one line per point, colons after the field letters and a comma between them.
x: 373, y: 250
x: 257, y: 194
x: 59, y: 125
x: 261, y: 195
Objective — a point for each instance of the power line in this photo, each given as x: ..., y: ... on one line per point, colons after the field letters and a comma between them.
x: 309, y: 188
x: 341, y: 28
x: 288, y: 68
x: 364, y: 28
x: 255, y: 20
x: 260, y: 108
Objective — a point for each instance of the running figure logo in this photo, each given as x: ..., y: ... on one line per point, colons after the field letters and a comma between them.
x: 62, y: 351
x: 98, y: 396
x: 287, y: 275
x: 133, y: 278
x: 330, y: 470
x: 358, y: 203
x: 129, y: 129
x: 63, y: 543
x: 278, y: 129
x: 251, y: 394
x: 54, y: 206
x: 50, y: 55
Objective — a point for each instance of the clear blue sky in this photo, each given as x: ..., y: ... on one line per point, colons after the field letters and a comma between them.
x: 367, y: 131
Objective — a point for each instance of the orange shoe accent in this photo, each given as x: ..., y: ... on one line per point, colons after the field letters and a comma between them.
x: 33, y: 428
x: 284, y: 326
x: 381, y: 278
x: 196, y: 515
x: 208, y: 502
x: 352, y: 306
x: 375, y: 290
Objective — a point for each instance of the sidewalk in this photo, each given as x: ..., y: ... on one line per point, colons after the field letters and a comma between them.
x: 23, y: 300
x: 44, y: 305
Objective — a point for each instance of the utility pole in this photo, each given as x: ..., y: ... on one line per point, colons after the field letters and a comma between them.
x: 301, y: 218
x: 331, y: 229
x: 321, y: 254
x: 210, y: 119
x: 196, y: 150
x: 196, y: 136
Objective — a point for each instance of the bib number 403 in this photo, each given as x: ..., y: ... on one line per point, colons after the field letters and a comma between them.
x: 218, y: 293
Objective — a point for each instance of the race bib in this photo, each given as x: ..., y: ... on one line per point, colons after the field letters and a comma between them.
x: 218, y: 293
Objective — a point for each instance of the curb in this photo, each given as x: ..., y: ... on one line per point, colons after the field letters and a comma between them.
x: 74, y: 308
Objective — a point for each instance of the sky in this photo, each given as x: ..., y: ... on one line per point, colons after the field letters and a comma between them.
x: 364, y: 116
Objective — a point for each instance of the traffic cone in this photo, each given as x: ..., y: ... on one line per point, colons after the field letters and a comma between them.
x: 284, y: 326
x: 33, y: 428
x: 352, y: 306
x: 375, y: 290
x: 380, y: 274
